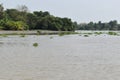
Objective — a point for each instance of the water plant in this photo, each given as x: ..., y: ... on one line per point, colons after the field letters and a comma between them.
x: 22, y: 35
x: 86, y: 36
x: 112, y: 33
x: 98, y: 33
x: 4, y: 35
x: 38, y: 32
x: 67, y: 33
x: 35, y: 44
x: 61, y: 34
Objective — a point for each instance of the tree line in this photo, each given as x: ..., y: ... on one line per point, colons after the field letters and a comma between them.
x: 112, y: 25
x: 21, y: 19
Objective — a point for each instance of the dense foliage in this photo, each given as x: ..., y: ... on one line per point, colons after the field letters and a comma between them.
x: 22, y: 19
x: 112, y: 25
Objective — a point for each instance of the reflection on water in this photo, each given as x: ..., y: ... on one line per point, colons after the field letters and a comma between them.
x: 70, y: 57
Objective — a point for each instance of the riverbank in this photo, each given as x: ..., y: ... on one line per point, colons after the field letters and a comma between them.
x: 60, y: 33
x: 33, y: 32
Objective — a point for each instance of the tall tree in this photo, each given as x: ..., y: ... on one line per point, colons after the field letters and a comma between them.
x: 1, y: 11
x: 22, y: 8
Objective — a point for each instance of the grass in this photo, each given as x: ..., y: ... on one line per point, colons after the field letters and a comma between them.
x: 38, y: 32
x: 22, y: 35
x: 61, y: 34
x: 112, y: 33
x: 4, y: 35
x: 35, y: 44
x: 67, y: 33
x: 98, y: 33
x: 86, y: 35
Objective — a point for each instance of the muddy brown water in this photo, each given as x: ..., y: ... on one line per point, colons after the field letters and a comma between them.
x: 69, y: 57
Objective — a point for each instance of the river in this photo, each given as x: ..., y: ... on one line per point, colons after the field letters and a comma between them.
x: 69, y: 57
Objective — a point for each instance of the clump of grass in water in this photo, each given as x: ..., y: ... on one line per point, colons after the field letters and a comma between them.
x: 38, y: 32
x: 112, y: 33
x: 98, y: 33
x: 61, y: 34
x: 67, y: 33
x: 22, y: 35
x: 86, y: 36
x: 35, y: 44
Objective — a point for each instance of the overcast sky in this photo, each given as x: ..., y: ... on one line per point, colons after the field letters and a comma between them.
x: 78, y: 10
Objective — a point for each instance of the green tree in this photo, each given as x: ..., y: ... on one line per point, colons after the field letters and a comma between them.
x: 1, y: 11
x: 31, y: 20
x: 113, y: 25
x: 15, y: 25
x: 12, y: 14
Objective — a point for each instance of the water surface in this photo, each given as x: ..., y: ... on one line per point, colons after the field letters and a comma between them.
x: 69, y: 57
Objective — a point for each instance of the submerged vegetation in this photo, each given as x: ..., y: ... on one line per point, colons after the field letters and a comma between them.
x: 67, y: 33
x: 38, y: 32
x: 35, y: 44
x: 112, y: 33
x: 22, y: 35
x: 98, y: 33
x: 95, y: 33
x: 86, y: 35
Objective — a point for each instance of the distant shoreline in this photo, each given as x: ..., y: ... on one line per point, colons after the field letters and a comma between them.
x: 31, y: 32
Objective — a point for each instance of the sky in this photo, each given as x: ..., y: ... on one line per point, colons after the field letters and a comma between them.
x: 82, y: 11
